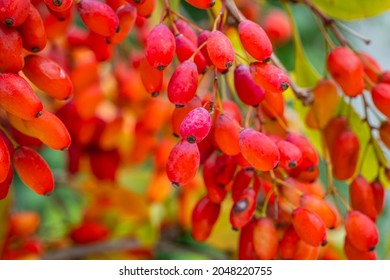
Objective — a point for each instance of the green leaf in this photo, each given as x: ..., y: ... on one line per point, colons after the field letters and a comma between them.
x: 352, y: 9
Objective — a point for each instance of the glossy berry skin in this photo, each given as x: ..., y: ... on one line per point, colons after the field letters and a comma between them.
x: 5, y: 160
x: 290, y: 155
x: 160, y: 47
x: 289, y: 243
x: 379, y: 195
x: 361, y: 231
x: 220, y: 50
x: 381, y: 98
x: 201, y: 4
x: 33, y: 31
x: 183, y: 163
x: 362, y: 198
x: 226, y: 134
x: 265, y: 239
x: 127, y: 15
x: 254, y: 40
x: 49, y: 129
x: 18, y: 98
x: 183, y: 84
x: 152, y: 79
x: 241, y: 181
x: 13, y: 12
x: 258, y: 149
x: 180, y: 113
x: 187, y: 31
x: 48, y: 76
x: 310, y: 158
x: 309, y: 226
x: 202, y: 38
x: 204, y: 216
x: 319, y: 206
x: 11, y: 52
x: 354, y: 254
x: 347, y: 70
x: 248, y: 92
x: 243, y: 209
x: 269, y: 77
x: 33, y: 170
x: 370, y: 66
x: 345, y: 155
x: 98, y: 17
x: 215, y: 192
x: 196, y: 125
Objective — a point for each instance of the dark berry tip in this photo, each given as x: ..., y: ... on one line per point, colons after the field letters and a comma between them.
x: 179, y: 106
x: 324, y: 243
x: 39, y: 114
x: 175, y: 135
x: 175, y: 184
x: 155, y: 94
x: 371, y: 249
x: 267, y: 59
x: 292, y: 164
x: 284, y: 86
x: 9, y: 21
x: 57, y: 3
x: 35, y: 49
x: 229, y: 64
x: 191, y: 139
x: 212, y: 4
x: 161, y: 67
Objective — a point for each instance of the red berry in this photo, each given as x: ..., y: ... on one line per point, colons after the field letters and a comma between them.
x: 362, y: 198
x: 381, y: 97
x: 220, y: 50
x: 258, y: 150
x: 290, y: 155
x: 127, y: 15
x: 347, y: 70
x: 33, y: 170
x: 183, y: 163
x: 248, y: 92
x: 13, y: 12
x: 269, y: 77
x: 265, y: 239
x: 309, y: 226
x: 196, y: 125
x: 160, y: 47
x: 226, y: 134
x: 243, y: 209
x: 201, y: 4
x: 204, y: 216
x: 361, y: 231
x: 278, y: 26
x: 321, y: 207
x: 11, y: 52
x: 254, y: 40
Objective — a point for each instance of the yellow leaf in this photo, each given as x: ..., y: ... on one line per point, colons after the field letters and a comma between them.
x: 352, y: 9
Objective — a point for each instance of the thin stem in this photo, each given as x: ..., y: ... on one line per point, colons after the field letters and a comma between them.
x: 359, y: 36
x: 192, y: 24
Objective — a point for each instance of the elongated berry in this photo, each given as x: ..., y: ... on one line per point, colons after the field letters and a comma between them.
x: 289, y: 243
x: 146, y: 8
x: 183, y: 163
x: 201, y: 4
x: 254, y: 40
x: 18, y: 98
x: 379, y: 195
x: 196, y: 125
x: 226, y: 134
x: 98, y: 17
x: 127, y: 15
x: 50, y: 130
x: 258, y: 150
x: 243, y: 209
x: 269, y: 77
x: 160, y: 47
x: 220, y: 50
x: 278, y: 26
x: 13, y: 12
x: 202, y: 38
x: 290, y: 155
x: 89, y: 232
x: 319, y: 206
x: 345, y: 154
x: 309, y: 226
x: 215, y: 192
x: 381, y: 98
x: 33, y: 170
x: 152, y: 79
x: 334, y: 128
x: 361, y: 231
x: 183, y: 84
x: 265, y: 239
x: 248, y: 92
x: 362, y: 198
x: 347, y: 70
x: 187, y: 31
x: 33, y: 31
x: 273, y: 105
x: 48, y: 76
x: 310, y: 158
x: 11, y: 52
x: 204, y: 216
x: 5, y: 160
x: 370, y: 66
x: 241, y: 181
